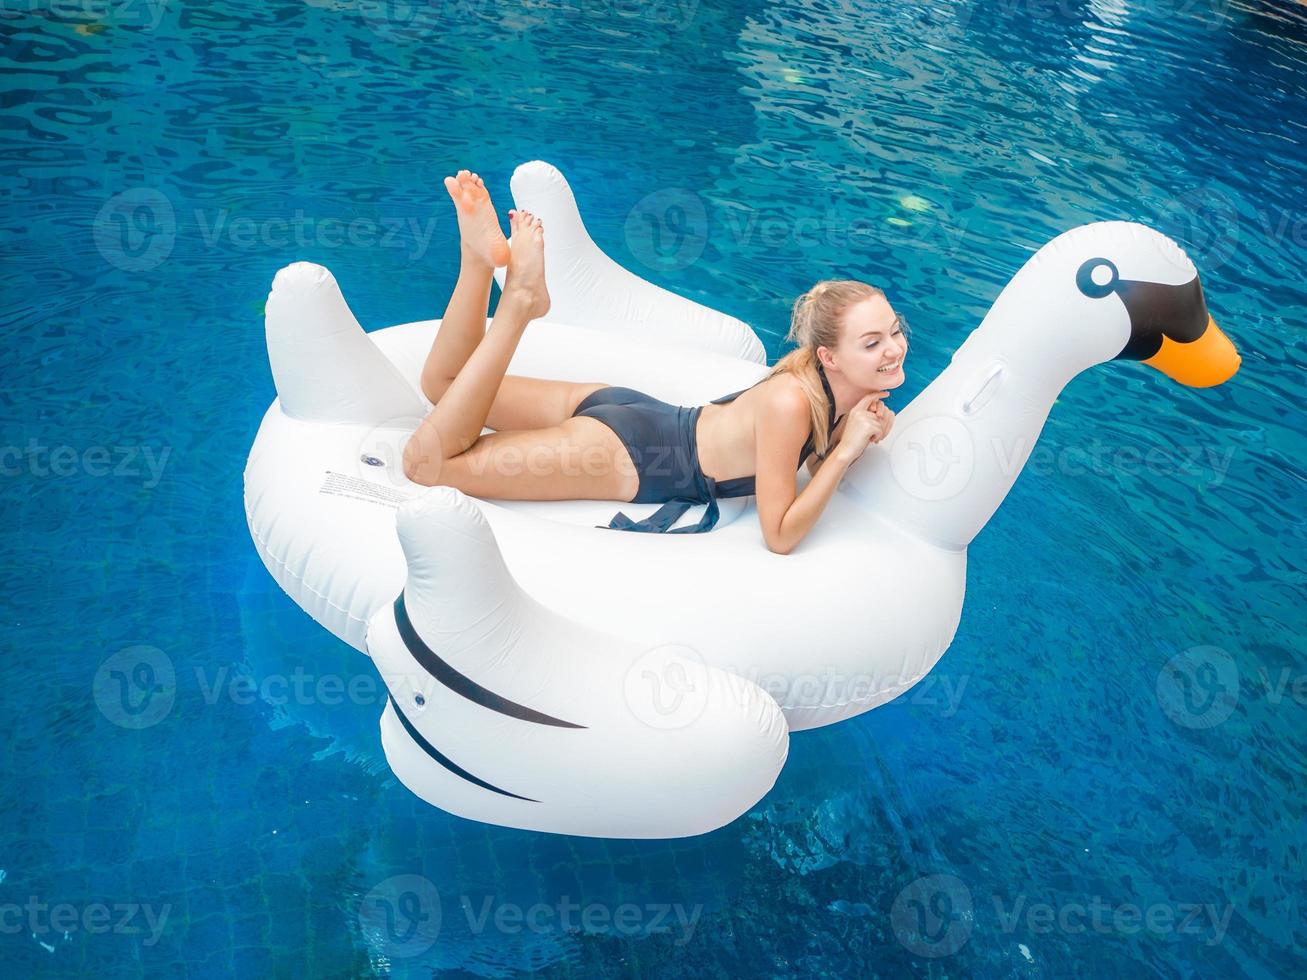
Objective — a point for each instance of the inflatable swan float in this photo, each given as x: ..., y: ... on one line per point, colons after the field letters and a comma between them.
x: 549, y: 674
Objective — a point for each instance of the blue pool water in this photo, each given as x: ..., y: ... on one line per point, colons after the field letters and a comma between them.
x: 1104, y: 776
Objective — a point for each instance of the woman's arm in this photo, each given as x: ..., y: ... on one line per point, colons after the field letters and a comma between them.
x: 787, y: 516
x: 807, y: 507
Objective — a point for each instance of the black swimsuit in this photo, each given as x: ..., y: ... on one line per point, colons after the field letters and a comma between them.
x: 661, y: 440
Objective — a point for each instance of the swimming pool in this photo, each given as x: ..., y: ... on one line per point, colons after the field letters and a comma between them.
x: 1104, y: 775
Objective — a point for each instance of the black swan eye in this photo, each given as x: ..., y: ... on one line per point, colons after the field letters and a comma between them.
x: 1089, y: 274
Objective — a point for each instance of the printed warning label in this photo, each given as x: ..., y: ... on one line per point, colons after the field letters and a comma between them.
x: 343, y: 485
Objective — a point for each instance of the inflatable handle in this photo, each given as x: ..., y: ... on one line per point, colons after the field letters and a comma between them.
x: 989, y: 386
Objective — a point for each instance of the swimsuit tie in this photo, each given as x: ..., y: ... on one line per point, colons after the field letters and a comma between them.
x: 669, y: 513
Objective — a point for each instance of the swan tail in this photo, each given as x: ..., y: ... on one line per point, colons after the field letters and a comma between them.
x: 589, y: 289
x: 324, y: 365
x: 502, y: 711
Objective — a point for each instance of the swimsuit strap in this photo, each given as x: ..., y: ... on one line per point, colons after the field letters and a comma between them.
x: 830, y: 410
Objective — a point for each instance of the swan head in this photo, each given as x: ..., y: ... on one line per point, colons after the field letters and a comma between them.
x: 1119, y: 291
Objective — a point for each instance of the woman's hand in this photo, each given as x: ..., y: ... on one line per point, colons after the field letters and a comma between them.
x: 868, y: 421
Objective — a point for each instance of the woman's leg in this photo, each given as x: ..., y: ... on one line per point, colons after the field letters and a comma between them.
x: 483, y: 247
x: 455, y: 423
x: 522, y: 403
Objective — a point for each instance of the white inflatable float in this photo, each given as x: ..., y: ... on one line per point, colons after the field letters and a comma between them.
x: 546, y: 673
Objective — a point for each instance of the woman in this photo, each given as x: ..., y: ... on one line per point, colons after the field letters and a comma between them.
x: 562, y: 440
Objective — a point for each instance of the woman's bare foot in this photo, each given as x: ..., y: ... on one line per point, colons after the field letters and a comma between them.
x: 477, y: 224
x: 526, y: 268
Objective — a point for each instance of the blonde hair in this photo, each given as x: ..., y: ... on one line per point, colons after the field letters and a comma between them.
x: 815, y: 322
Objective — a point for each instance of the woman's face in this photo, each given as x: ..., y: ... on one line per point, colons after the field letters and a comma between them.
x: 872, y: 345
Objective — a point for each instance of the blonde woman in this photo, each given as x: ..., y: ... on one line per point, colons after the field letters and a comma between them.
x: 821, y: 403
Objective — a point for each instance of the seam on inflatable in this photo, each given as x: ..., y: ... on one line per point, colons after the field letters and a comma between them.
x: 267, y: 552
x: 298, y: 579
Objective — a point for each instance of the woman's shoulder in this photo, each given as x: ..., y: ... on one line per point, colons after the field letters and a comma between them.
x: 777, y: 389
x: 785, y: 390
x: 782, y: 395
